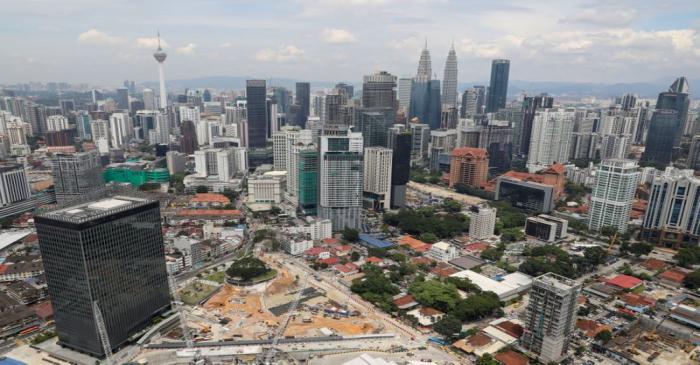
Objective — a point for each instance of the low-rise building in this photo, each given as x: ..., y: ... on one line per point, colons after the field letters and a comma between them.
x: 296, y: 247
x: 426, y: 316
x: 442, y: 251
x: 508, y: 287
x: 546, y: 228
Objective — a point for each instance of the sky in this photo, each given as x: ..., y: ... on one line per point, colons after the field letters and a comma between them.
x: 104, y: 42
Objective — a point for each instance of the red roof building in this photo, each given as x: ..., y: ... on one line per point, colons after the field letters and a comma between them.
x: 210, y: 198
x: 346, y: 269
x: 405, y: 302
x: 625, y: 281
x: 673, y: 276
x: 329, y: 261
x: 374, y: 260
x: 636, y: 300
x: 331, y: 241
x: 415, y: 244
x: 469, y: 166
x: 590, y: 327
x: 513, y: 329
x: 511, y: 357
x: 44, y: 310
x: 476, y: 248
x: 653, y: 264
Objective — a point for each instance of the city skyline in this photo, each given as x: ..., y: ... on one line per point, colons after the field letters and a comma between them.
x: 577, y: 41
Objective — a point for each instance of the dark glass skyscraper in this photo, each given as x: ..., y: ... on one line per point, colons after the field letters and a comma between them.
x: 373, y: 123
x: 530, y: 106
x: 302, y: 98
x: 188, y: 141
x: 256, y: 105
x: 400, y: 167
x: 308, y: 181
x: 379, y: 90
x: 109, y: 251
x: 425, y: 103
x: 498, y: 88
x: 662, y: 129
x: 122, y: 98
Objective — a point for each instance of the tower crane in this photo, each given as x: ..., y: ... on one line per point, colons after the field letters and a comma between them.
x: 102, y: 333
x: 283, y: 326
x: 189, y: 343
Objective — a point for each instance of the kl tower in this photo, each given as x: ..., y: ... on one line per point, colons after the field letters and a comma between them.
x: 160, y: 56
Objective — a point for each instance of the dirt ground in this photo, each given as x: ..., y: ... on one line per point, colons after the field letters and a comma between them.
x: 343, y: 326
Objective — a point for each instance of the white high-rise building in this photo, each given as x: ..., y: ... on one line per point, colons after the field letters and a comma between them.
x: 482, y: 222
x: 149, y: 99
x: 225, y: 163
x: 550, y: 317
x: 56, y: 123
x: 120, y: 128
x: 267, y: 188
x: 162, y: 129
x: 611, y: 201
x: 282, y: 143
x: 550, y: 138
x: 14, y: 184
x: 202, y: 128
x: 160, y: 56
x: 99, y: 129
x: 404, y: 93
x: 16, y: 131
x: 341, y: 179
x: 190, y: 113
x: 377, y: 178
x: 449, y: 80
x: 421, y: 142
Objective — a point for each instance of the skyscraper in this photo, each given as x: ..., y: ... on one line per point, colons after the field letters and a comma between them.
x: 302, y: 98
x: 425, y: 94
x: 122, y: 98
x: 149, y: 99
x: 373, y: 124
x: 14, y: 184
x: 498, y: 88
x: 307, y: 164
x: 425, y: 71
x: 379, y: 90
x: 341, y: 178
x: 77, y: 176
x: 404, y: 93
x: 550, y: 139
x: 449, y: 79
x: 377, y: 178
x: 469, y: 166
x: 108, y: 251
x: 667, y: 123
x: 160, y: 56
x: 188, y: 141
x: 550, y: 317
x: 530, y: 106
x: 256, y: 94
x: 616, y: 182
x: 120, y: 129
x: 400, y: 166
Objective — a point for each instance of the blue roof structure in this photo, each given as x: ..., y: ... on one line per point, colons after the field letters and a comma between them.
x: 10, y: 361
x: 368, y: 240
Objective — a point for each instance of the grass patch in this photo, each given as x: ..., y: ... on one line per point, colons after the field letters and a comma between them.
x: 195, y: 292
x: 266, y: 276
x: 638, y: 290
x: 218, y: 277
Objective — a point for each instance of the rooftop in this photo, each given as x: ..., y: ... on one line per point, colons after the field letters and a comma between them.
x: 625, y: 281
x: 511, y: 357
x: 674, y: 275
x: 210, y: 198
x: 470, y: 151
x: 209, y: 212
x: 88, y: 211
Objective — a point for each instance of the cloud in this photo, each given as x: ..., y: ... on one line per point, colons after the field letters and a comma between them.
x: 605, y: 16
x: 94, y: 36
x: 284, y: 54
x: 336, y: 35
x: 225, y: 45
x: 186, y: 50
x: 150, y: 42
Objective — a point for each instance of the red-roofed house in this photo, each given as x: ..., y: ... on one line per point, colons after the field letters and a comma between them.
x: 443, y: 270
x: 653, y: 264
x: 209, y: 200
x: 637, y: 303
x: 3, y: 268
x: 341, y: 250
x: 374, y: 260
x: 513, y: 329
x: 624, y: 281
x: 331, y: 241
x: 476, y: 248
x: 673, y: 277
x: 590, y: 327
x: 511, y: 357
x: 347, y: 269
x: 44, y: 310
x: 415, y: 244
x: 315, y: 253
x: 421, y: 260
x: 329, y: 261
x: 405, y: 301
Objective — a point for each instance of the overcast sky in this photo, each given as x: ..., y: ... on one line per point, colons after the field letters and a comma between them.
x: 104, y: 42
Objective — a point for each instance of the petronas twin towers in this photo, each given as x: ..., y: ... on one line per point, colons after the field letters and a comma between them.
x: 449, y: 85
x: 427, y: 101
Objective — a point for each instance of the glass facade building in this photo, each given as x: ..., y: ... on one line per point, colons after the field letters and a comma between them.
x: 498, y: 88
x: 256, y: 105
x: 308, y: 181
x: 109, y: 251
x: 425, y: 103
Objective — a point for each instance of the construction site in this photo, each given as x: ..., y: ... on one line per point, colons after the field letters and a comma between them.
x: 648, y: 342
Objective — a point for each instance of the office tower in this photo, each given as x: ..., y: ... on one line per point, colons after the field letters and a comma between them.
x: 425, y: 94
x: 404, y: 93
x: 175, y: 161
x: 550, y: 317
x: 77, y: 176
x: 67, y: 106
x: 614, y: 146
x: 16, y: 131
x: 202, y: 132
x: 14, y: 184
x: 425, y: 71
x: 331, y: 110
x: 144, y: 122
x: 469, y: 166
x: 442, y: 142
x: 341, y: 179
x: 307, y: 167
x: 190, y: 113
x: 694, y: 154
x: 498, y: 141
x: 672, y: 218
x: 550, y: 138
x: 379, y: 90
x: 281, y: 96
x: 645, y: 113
x: 99, y: 129
x: 36, y: 116
x: 82, y: 121
x: 498, y: 88
x: 160, y: 56
x: 122, y: 98
x: 282, y: 143
x: 667, y: 124
x: 108, y: 251
x: 161, y: 132
x: 221, y: 163
x: 449, y: 79
x: 627, y: 101
x: 188, y: 140
x: 420, y: 143
x: 120, y: 129
x: 470, y: 103
x: 482, y: 222
x: 149, y: 99
x: 377, y: 178
x: 531, y: 105
x: 373, y: 124
x: 302, y: 98
x: 56, y: 123
x: 256, y: 94
x: 676, y: 98
x: 400, y: 167
x: 616, y: 181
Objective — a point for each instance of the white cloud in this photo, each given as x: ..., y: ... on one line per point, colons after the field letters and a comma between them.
x: 336, y: 35
x: 186, y: 50
x: 94, y: 36
x: 603, y: 16
x: 284, y: 54
x: 225, y: 45
x: 150, y: 42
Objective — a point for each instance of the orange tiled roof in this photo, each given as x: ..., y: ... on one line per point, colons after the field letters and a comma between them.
x: 467, y: 151
x: 673, y: 275
x: 208, y: 212
x: 654, y: 264
x: 210, y: 198
x: 511, y: 357
x: 415, y: 244
x: 479, y: 339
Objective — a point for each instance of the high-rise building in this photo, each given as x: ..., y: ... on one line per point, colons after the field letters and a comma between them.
x: 400, y: 143
x: 341, y: 179
x: 36, y: 116
x: 188, y: 140
x: 616, y: 181
x: 160, y: 57
x: 149, y: 99
x: 222, y: 163
x: 281, y: 96
x: 373, y: 124
x: 256, y: 95
x: 176, y: 162
x: 531, y: 105
x: 282, y: 143
x: 550, y: 317
x: 377, y: 178
x: 14, y: 184
x: 420, y: 143
x: 331, y: 115
x: 108, y: 252
x: 667, y: 124
x: 470, y: 103
x: 672, y: 218
x: 694, y: 154
x: 82, y: 121
x: 67, y: 106
x: 77, y: 176
x: 120, y: 129
x: 497, y: 139
x: 99, y: 129
x: 449, y: 80
x: 404, y: 93
x: 425, y: 94
x: 56, y: 123
x: 482, y: 222
x: 302, y: 98
x: 307, y: 167
x: 347, y: 90
x: 550, y: 138
x: 379, y: 90
x: 469, y: 166
x: 122, y: 98
x: 498, y: 88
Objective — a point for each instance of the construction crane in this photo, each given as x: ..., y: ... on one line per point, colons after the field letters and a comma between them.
x: 283, y: 326
x: 189, y: 343
x: 613, y: 240
x: 102, y: 333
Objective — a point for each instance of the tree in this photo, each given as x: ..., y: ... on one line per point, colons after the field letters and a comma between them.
x: 477, y: 306
x: 448, y: 326
x: 202, y: 189
x: 428, y: 237
x: 351, y: 235
x: 451, y: 205
x: 512, y: 235
x: 354, y: 256
x: 492, y: 254
x: 604, y: 336
x: 247, y: 268
x: 583, y: 311
x: 692, y: 280
x: 688, y: 256
x: 608, y: 231
x: 641, y: 248
x: 487, y: 359
x: 433, y: 293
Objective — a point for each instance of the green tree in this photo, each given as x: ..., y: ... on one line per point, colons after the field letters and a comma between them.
x: 608, y: 231
x: 428, y: 237
x: 604, y: 336
x: 477, y: 306
x: 451, y: 205
x: 351, y: 235
x: 487, y: 359
x: 433, y: 293
x: 512, y: 235
x: 692, y: 280
x: 354, y: 256
x: 688, y: 256
x: 448, y: 326
x: 492, y: 254
x: 247, y: 268
x: 641, y: 248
